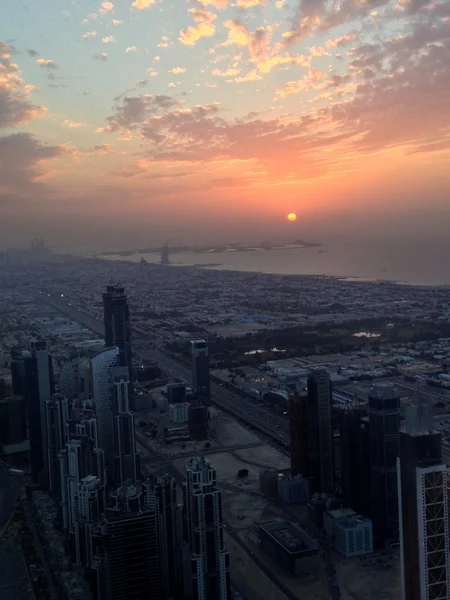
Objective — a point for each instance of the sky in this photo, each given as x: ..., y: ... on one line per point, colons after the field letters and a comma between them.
x: 126, y: 123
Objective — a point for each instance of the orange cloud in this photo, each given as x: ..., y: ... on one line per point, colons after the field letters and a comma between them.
x: 109, y: 39
x: 141, y: 4
x: 46, y: 64
x: 177, y: 70
x: 89, y: 34
x: 204, y: 27
x: 72, y: 124
x: 342, y: 40
x: 305, y: 83
x: 230, y: 72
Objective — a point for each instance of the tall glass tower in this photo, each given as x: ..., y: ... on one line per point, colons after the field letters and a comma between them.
x: 116, y: 317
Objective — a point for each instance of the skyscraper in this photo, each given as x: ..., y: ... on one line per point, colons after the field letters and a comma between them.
x: 321, y: 452
x: 423, y: 509
x: 57, y: 412
x: 125, y: 455
x: 126, y: 549
x: 209, y: 573
x: 89, y: 505
x: 384, y: 424
x: 200, y: 371
x: 355, y: 463
x: 299, y: 435
x: 165, y: 494
x: 102, y: 390
x: 117, y: 325
x: 33, y: 377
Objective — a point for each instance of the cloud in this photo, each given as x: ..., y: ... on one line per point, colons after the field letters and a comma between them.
x: 21, y: 158
x: 156, y: 58
x: 46, y: 64
x: 204, y: 27
x: 230, y: 72
x: 103, y: 56
x: 89, y: 34
x: 239, y: 35
x: 253, y: 75
x: 16, y: 106
x: 219, y: 4
x: 142, y: 82
x: 106, y: 7
x: 342, y: 40
x: 117, y: 22
x: 136, y: 109
x: 318, y: 51
x: 152, y: 73
x: 131, y: 49
x: 72, y: 124
x: 250, y: 3
x: 32, y: 52
x: 177, y: 70
x: 109, y: 39
x: 305, y: 83
x: 141, y: 4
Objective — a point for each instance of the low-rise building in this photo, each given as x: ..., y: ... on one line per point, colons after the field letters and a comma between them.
x: 179, y: 413
x: 291, y: 548
x: 331, y: 517
x: 353, y: 536
x: 292, y: 490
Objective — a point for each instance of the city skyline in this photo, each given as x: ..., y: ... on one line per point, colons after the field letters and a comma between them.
x: 214, y: 119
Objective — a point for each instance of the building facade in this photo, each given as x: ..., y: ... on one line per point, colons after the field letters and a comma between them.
x: 200, y: 371
x: 353, y: 536
x: 423, y: 509
x: 384, y: 424
x: 125, y: 455
x: 116, y: 315
x: 299, y: 435
x: 209, y: 573
x: 102, y: 390
x: 320, y: 437
x: 57, y: 413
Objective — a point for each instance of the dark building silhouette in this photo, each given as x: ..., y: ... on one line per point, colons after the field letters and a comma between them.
x: 13, y: 424
x: 321, y: 451
x: 126, y: 547
x: 355, y: 462
x: 57, y: 413
x: 200, y: 371
x: 165, y: 254
x: 299, y: 435
x: 384, y: 424
x: 423, y: 509
x: 208, y: 575
x: 169, y: 548
x: 33, y: 376
x: 116, y: 317
x: 125, y: 455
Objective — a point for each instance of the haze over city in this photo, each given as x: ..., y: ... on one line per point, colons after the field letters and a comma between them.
x: 125, y: 123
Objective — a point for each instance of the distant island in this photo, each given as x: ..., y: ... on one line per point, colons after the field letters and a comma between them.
x: 214, y: 249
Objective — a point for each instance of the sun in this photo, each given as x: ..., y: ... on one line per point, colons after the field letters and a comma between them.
x: 292, y: 217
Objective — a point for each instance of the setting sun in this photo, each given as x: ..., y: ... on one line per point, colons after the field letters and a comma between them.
x: 292, y: 217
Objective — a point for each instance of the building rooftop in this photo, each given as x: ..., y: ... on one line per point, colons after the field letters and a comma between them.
x: 341, y: 513
x: 351, y: 521
x: 289, y: 536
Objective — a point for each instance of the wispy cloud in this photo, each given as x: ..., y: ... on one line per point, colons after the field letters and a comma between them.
x: 72, y: 124
x: 89, y: 34
x: 108, y: 39
x: 131, y: 49
x: 102, y: 56
x: 177, y: 70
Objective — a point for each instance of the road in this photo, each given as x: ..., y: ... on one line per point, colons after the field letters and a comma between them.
x: 244, y: 409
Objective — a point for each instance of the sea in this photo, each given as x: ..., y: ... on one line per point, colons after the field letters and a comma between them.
x: 402, y: 264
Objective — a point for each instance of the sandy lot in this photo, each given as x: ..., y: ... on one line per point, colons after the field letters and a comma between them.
x: 231, y: 433
x: 264, y: 457
x: 365, y: 583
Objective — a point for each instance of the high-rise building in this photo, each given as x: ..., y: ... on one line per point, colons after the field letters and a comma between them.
x: 355, y: 463
x: 125, y: 455
x: 423, y: 509
x: 126, y: 549
x: 32, y: 376
x: 384, y: 424
x: 209, y: 575
x: 321, y: 451
x: 165, y: 494
x: 117, y: 325
x: 89, y: 505
x: 102, y: 390
x: 200, y: 372
x: 299, y: 435
x: 57, y: 412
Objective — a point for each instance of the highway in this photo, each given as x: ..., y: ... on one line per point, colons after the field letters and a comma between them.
x: 246, y: 410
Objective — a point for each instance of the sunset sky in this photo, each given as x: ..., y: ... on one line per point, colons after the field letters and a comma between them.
x: 124, y: 123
